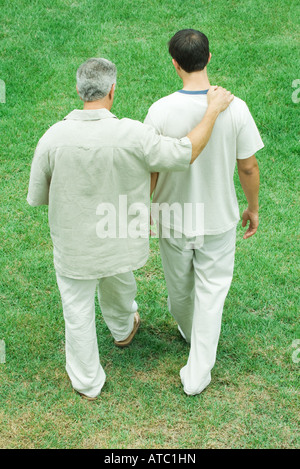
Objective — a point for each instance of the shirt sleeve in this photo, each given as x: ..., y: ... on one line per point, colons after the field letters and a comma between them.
x: 39, y: 182
x: 248, y: 137
x: 165, y: 153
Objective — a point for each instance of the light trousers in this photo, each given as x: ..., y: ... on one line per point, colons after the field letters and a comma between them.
x: 198, y: 273
x: 116, y: 296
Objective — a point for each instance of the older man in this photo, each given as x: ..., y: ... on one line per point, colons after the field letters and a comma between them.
x: 81, y: 167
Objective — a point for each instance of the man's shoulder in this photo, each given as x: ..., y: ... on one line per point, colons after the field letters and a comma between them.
x: 127, y: 125
x: 45, y: 141
x: 238, y: 111
x: 164, y: 101
x: 52, y: 129
x: 238, y: 103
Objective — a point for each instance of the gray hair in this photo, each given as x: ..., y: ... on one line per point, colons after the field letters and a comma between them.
x: 95, y: 78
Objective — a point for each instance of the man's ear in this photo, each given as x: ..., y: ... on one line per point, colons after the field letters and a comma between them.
x: 176, y: 65
x: 209, y: 57
x: 78, y: 92
x: 112, y: 91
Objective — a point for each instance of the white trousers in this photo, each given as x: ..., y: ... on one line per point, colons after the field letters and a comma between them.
x: 198, y: 275
x: 116, y: 299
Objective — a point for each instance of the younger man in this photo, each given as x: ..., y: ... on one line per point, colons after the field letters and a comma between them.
x: 198, y: 262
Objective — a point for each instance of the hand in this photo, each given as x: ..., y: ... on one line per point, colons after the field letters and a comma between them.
x: 253, y: 225
x: 219, y: 98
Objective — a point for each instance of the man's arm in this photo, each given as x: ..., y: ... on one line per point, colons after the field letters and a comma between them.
x: 218, y: 100
x: 40, y: 176
x: 249, y: 178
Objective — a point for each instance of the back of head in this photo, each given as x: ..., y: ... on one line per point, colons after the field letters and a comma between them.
x: 95, y: 78
x: 190, y: 49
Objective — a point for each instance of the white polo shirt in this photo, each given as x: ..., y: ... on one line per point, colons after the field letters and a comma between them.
x: 81, y: 167
x: 208, y: 183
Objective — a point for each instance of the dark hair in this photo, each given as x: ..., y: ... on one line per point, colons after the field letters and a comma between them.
x: 190, y: 48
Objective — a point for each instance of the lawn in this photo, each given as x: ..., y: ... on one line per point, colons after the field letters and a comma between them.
x: 253, y: 400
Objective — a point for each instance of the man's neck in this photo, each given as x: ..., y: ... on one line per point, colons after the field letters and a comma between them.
x: 99, y: 104
x: 92, y: 105
x: 195, y: 81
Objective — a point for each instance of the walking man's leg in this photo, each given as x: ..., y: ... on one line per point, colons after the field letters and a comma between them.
x: 116, y: 296
x: 213, y: 265
x: 82, y: 355
x: 179, y: 275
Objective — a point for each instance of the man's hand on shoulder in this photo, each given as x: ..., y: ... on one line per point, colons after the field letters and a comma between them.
x: 218, y: 98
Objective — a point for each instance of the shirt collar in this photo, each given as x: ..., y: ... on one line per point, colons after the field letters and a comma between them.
x: 193, y: 92
x: 90, y: 114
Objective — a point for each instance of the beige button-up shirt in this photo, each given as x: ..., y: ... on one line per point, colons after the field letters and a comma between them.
x: 93, y: 170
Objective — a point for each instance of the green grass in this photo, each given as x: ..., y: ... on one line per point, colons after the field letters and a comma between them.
x: 253, y: 400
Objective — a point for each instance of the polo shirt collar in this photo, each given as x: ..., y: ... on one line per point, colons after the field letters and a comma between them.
x: 193, y: 92
x: 90, y: 114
